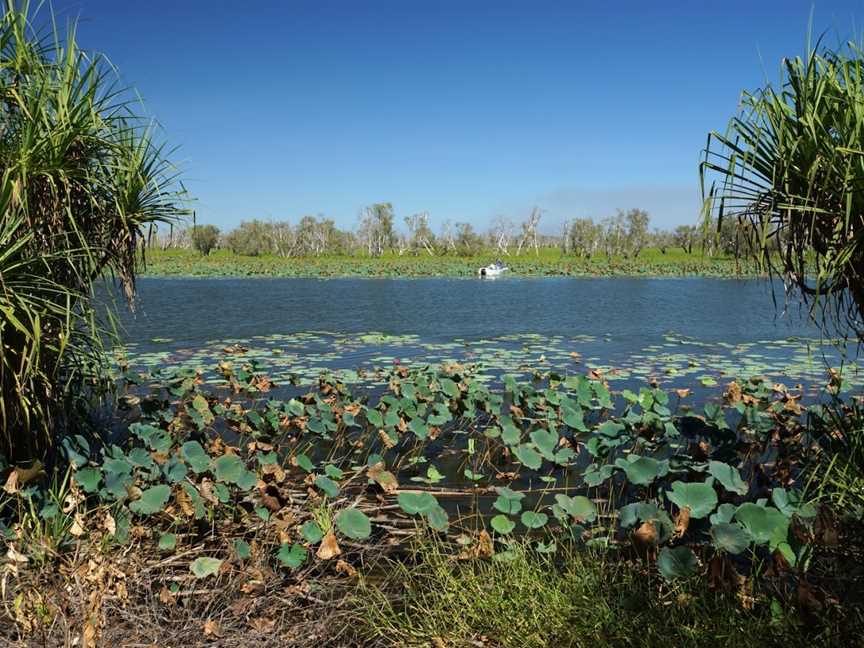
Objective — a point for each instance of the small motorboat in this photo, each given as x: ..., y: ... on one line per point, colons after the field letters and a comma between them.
x: 492, y: 270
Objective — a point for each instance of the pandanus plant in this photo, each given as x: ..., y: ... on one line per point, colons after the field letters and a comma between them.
x: 790, y: 170
x: 81, y: 178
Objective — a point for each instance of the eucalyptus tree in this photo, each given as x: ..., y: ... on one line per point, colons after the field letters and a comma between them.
x: 684, y: 237
x: 582, y: 237
x: 204, y: 238
x: 376, y: 229
x: 528, y: 237
x: 637, y: 221
x: 791, y: 164
x: 420, y: 236
x: 81, y: 180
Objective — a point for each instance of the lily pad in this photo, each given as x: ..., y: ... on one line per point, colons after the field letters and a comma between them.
x: 205, y: 566
x: 152, y: 500
x: 354, y: 524
x: 678, y: 562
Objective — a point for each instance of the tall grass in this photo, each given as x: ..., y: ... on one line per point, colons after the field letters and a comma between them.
x: 580, y: 598
x: 80, y: 177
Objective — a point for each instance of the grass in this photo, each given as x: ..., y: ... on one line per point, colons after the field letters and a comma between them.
x: 583, y: 598
x: 550, y: 262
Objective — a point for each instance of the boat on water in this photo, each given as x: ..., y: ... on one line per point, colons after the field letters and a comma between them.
x: 492, y: 270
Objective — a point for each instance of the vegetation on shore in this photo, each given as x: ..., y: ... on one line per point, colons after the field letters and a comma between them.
x: 547, y: 262
x: 230, y: 489
x: 80, y: 177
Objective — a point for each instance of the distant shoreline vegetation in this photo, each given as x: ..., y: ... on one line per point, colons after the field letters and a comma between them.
x: 548, y: 262
x: 620, y: 245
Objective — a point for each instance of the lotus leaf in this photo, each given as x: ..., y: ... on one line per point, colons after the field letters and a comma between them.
x: 534, y: 520
x: 729, y: 537
x: 728, y: 476
x: 678, y: 562
x: 700, y: 498
x: 502, y: 524
x: 765, y: 525
x: 291, y: 555
x: 354, y: 524
x: 152, y: 500
x: 204, y: 566
x: 417, y: 503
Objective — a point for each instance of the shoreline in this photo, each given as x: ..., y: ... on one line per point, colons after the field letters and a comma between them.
x: 550, y: 263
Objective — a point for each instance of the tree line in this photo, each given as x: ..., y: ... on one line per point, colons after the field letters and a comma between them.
x: 626, y: 234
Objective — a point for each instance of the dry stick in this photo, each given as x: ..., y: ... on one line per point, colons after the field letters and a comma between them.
x: 174, y: 558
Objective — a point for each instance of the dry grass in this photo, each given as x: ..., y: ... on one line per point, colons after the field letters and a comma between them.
x: 124, y: 599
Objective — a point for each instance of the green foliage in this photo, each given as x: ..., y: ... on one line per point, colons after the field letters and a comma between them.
x: 205, y: 566
x: 550, y: 262
x: 354, y: 524
x: 292, y: 555
x: 678, y: 562
x: 204, y: 238
x: 533, y: 600
x: 80, y: 180
x: 790, y: 169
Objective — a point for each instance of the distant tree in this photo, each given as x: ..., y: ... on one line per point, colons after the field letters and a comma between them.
x: 637, y: 230
x: 420, y: 236
x: 501, y: 235
x: 582, y: 237
x: 251, y: 238
x: 529, y: 232
x: 205, y: 238
x: 467, y: 240
x: 661, y: 239
x: 376, y: 229
x: 614, y: 235
x: 684, y: 236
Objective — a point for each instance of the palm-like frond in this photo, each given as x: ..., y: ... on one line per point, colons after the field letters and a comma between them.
x: 82, y: 176
x: 791, y: 167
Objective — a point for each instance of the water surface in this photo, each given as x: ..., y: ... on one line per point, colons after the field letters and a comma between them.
x: 674, y: 331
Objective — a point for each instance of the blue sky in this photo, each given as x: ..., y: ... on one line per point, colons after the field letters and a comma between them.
x: 467, y: 110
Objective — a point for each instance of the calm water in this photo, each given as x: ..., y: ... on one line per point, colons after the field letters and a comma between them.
x: 634, y: 312
x: 675, y: 332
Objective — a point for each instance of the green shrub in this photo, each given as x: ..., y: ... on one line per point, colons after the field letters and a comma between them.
x: 205, y: 238
x: 80, y: 177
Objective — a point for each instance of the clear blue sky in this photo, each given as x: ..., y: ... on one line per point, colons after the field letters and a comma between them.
x: 465, y: 109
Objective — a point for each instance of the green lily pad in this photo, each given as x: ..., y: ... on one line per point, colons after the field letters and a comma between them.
x: 728, y: 476
x: 354, y: 524
x: 678, y: 562
x: 88, y: 479
x: 416, y: 503
x: 198, y: 460
x: 502, y: 524
x: 311, y: 532
x: 730, y: 538
x: 327, y: 485
x: 534, y: 520
x: 291, y: 555
x: 765, y: 525
x: 699, y: 497
x: 204, y: 566
x: 229, y: 468
x: 528, y: 456
x: 152, y: 500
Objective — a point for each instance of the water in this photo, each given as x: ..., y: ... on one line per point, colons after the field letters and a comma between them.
x: 674, y: 331
x: 634, y: 311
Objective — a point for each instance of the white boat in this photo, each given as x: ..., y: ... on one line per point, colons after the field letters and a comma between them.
x: 492, y: 270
